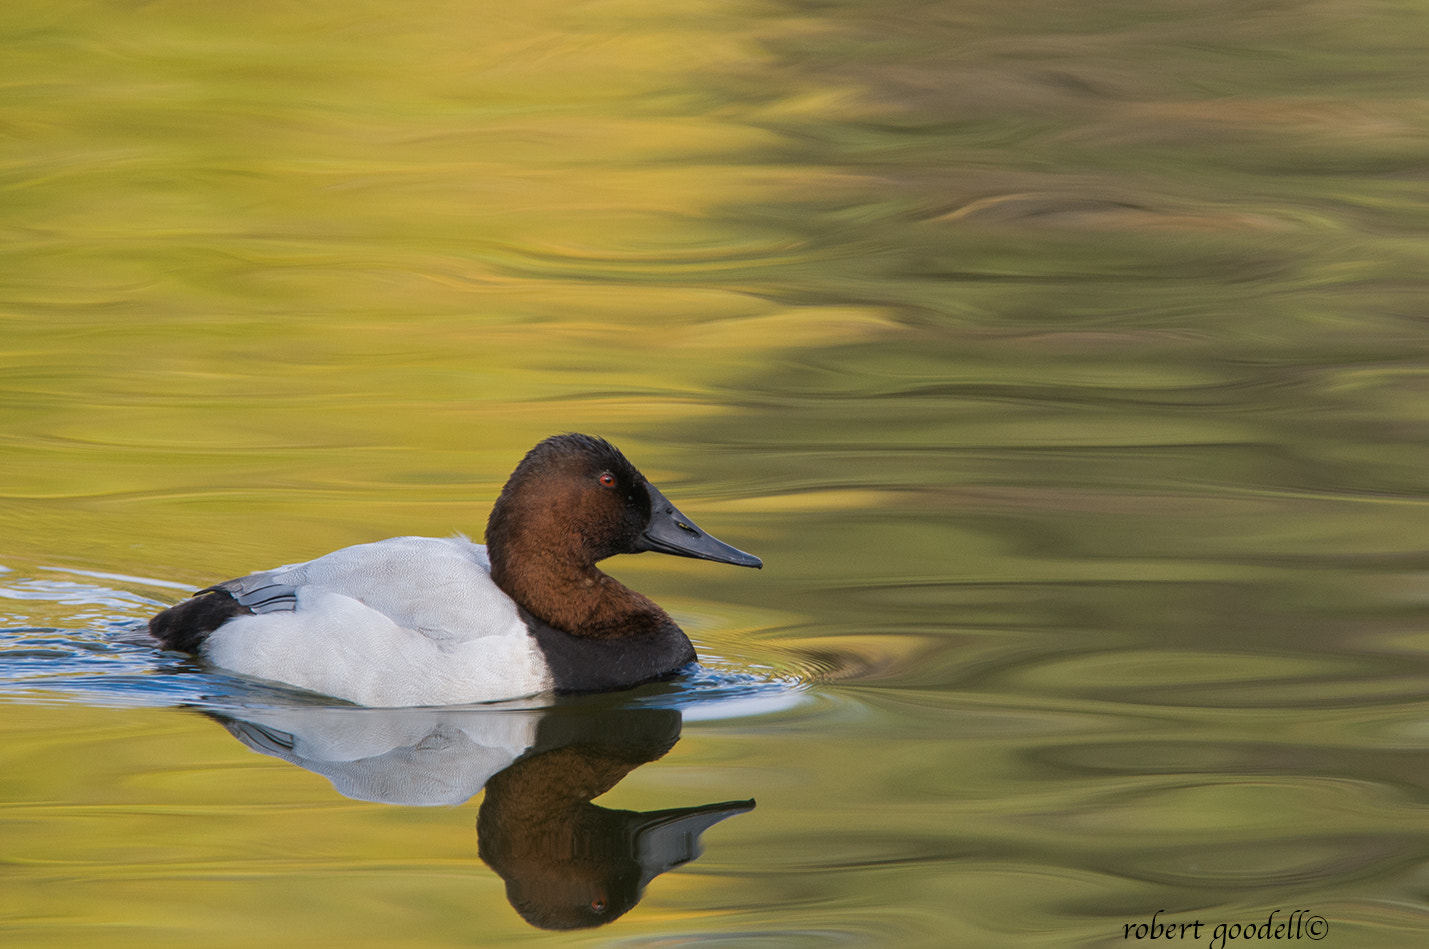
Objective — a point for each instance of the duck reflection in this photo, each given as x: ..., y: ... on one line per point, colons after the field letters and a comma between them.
x: 567, y: 863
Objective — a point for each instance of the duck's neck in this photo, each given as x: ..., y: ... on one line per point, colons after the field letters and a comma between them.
x: 595, y: 633
x: 575, y: 597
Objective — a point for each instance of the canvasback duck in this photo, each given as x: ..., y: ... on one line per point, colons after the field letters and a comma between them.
x: 444, y: 621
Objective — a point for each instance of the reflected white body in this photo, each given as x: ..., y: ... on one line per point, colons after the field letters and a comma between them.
x: 402, y: 756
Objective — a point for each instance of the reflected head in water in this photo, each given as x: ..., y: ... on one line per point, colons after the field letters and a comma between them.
x: 571, y: 864
x: 567, y: 863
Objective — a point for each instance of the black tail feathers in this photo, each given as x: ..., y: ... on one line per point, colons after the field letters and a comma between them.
x: 185, y: 626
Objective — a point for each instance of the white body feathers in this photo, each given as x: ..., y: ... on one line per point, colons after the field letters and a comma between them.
x: 400, y: 622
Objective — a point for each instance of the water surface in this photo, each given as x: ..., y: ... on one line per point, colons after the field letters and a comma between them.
x: 1066, y: 365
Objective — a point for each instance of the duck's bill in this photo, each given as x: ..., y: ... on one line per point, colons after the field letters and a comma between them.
x: 668, y: 839
x: 671, y: 532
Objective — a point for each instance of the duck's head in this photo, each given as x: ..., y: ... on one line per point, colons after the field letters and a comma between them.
x: 575, y: 499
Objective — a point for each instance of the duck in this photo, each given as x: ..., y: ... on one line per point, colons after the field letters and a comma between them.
x: 438, y: 621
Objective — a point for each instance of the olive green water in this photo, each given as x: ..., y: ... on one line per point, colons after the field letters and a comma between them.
x: 1067, y: 364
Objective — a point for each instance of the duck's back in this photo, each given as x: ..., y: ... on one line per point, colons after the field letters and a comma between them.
x: 405, y: 621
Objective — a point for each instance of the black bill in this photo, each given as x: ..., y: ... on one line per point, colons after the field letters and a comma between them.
x: 671, y: 532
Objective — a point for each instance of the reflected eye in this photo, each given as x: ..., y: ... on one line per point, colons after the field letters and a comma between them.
x: 607, y: 480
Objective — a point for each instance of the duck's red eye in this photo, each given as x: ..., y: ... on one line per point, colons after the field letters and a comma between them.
x: 607, y: 480
x: 598, y: 904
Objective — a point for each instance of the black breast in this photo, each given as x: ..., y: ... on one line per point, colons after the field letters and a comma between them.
x: 587, y: 664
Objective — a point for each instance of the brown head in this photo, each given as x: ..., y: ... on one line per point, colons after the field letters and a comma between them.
x: 573, y: 501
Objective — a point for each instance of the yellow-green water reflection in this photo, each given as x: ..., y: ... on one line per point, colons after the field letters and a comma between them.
x: 1065, y: 363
